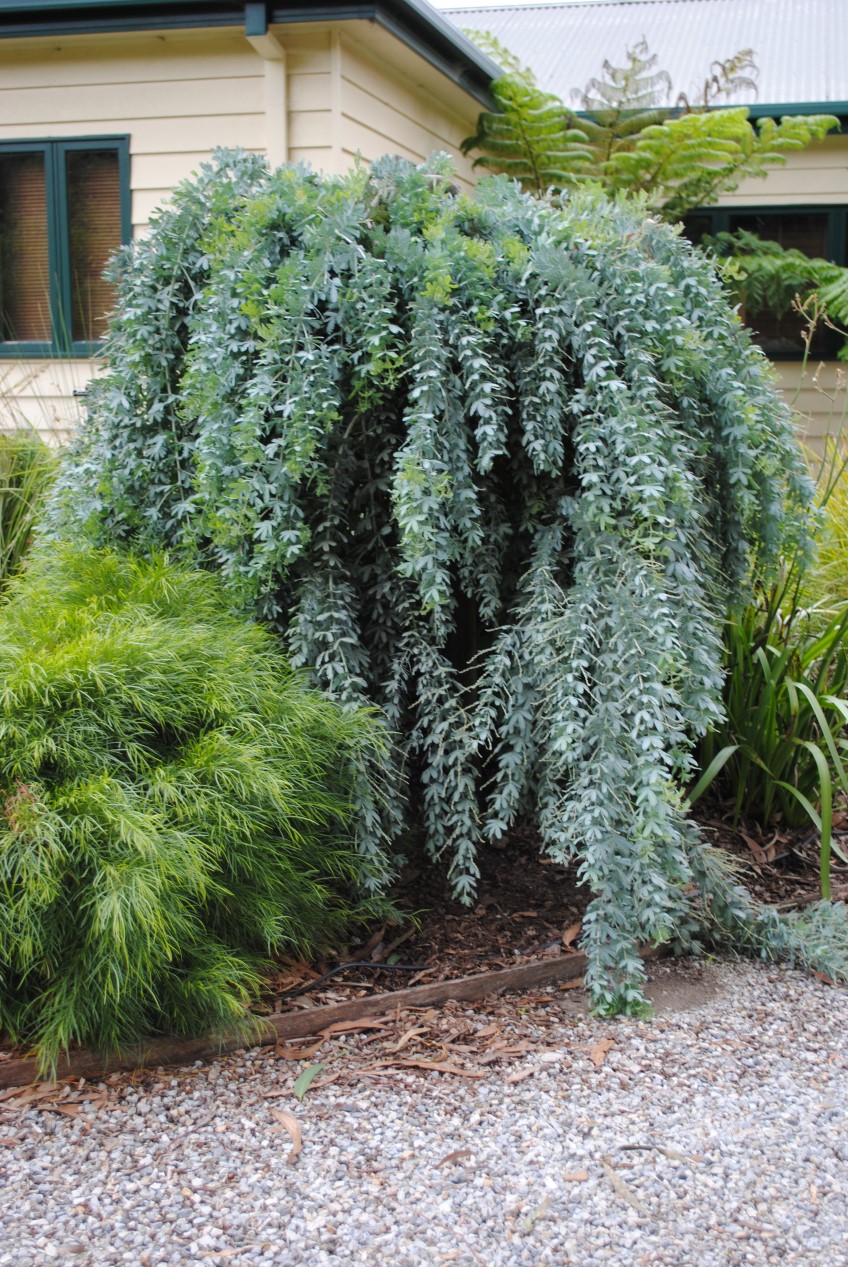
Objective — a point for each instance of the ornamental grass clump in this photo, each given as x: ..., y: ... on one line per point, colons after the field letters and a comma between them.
x: 175, y: 804
x: 780, y: 751
x: 493, y: 465
x: 27, y: 469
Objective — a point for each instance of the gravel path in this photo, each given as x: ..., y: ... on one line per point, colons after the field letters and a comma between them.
x: 710, y: 1136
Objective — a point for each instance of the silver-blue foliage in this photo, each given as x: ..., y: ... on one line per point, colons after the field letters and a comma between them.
x: 492, y: 465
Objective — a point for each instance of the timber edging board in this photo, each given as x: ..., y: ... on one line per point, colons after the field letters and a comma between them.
x: 283, y: 1026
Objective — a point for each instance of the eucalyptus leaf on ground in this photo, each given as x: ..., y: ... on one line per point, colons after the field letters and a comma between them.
x: 304, y: 1082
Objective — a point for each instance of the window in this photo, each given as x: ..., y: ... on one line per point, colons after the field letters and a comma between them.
x: 821, y: 232
x: 64, y: 208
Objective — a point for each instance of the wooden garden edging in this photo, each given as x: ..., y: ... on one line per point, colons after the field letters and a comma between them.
x: 284, y: 1026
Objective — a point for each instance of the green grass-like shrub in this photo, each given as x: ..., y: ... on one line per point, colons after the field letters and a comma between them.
x: 174, y: 804
x: 780, y: 751
x: 27, y: 468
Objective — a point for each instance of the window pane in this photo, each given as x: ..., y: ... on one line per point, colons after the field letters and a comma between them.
x: 804, y: 231
x: 94, y: 228
x: 24, y: 265
x: 696, y: 227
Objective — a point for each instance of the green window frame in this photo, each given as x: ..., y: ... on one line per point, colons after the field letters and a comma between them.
x: 55, y: 156
x: 712, y: 220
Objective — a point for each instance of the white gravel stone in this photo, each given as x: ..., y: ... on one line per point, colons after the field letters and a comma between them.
x: 712, y: 1136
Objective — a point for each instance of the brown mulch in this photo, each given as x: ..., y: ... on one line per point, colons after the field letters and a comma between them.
x: 527, y: 909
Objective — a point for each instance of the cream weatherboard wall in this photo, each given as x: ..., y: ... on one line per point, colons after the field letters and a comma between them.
x: 320, y: 93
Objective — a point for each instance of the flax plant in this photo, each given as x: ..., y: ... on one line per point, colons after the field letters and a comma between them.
x: 780, y: 751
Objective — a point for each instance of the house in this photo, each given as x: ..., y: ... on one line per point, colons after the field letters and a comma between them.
x: 106, y: 106
x: 799, y: 48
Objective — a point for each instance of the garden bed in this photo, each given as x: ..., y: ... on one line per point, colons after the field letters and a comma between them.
x: 520, y: 934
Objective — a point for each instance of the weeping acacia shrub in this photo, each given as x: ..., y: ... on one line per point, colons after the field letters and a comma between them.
x: 494, y: 466
x: 175, y: 804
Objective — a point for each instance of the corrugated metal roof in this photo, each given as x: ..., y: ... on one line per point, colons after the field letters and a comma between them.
x: 800, y: 46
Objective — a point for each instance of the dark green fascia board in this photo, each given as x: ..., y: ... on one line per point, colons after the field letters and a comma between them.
x: 414, y: 22
x: 766, y: 110
x: 779, y: 109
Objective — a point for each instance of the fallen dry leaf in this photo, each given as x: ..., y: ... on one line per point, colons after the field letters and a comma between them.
x: 299, y: 1053
x: 10, y: 1140
x: 325, y: 1082
x: 440, y: 1066
x: 455, y: 1156
x: 506, y: 1051
x: 11, y: 1093
x: 760, y: 854
x: 598, y: 1052
x: 407, y: 1037
x: 621, y: 1187
x: 288, y: 1122
x: 349, y: 1027
x: 521, y: 1075
x: 487, y: 1031
x: 419, y: 976
x: 571, y: 985
x: 570, y: 934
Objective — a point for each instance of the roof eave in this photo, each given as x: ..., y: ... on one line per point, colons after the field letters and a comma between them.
x: 414, y: 22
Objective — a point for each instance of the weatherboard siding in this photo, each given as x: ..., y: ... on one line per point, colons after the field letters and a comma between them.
x: 352, y: 90
x: 819, y: 397
x: 176, y: 95
x: 40, y: 394
x: 815, y: 175
x: 384, y: 111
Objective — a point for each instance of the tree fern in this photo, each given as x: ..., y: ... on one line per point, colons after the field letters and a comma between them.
x: 627, y: 138
x: 767, y: 275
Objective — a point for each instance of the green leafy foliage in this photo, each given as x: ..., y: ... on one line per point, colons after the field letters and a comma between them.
x: 767, y: 275
x: 492, y: 465
x: 780, y: 750
x: 27, y: 468
x: 626, y: 139
x: 689, y: 159
x: 175, y: 804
